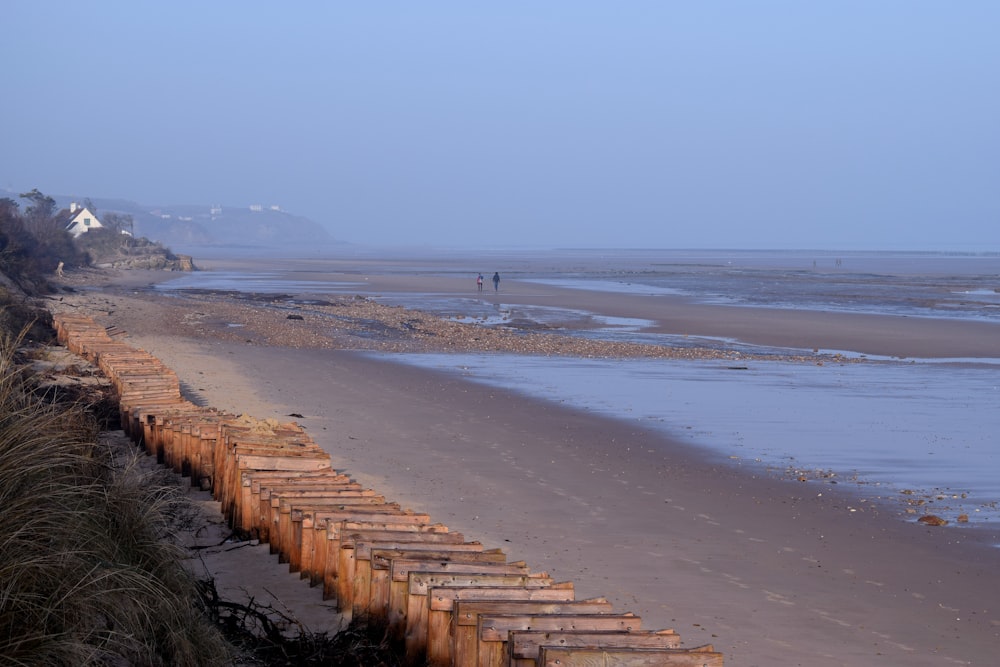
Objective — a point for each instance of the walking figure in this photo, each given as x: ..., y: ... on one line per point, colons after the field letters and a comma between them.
x: 496, y: 281
x: 479, y: 282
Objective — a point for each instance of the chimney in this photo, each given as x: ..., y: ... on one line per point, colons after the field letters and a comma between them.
x: 72, y: 207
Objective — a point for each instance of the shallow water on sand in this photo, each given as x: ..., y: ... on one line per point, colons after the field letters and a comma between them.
x: 886, y: 428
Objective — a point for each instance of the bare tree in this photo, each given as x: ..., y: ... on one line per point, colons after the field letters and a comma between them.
x: 121, y: 224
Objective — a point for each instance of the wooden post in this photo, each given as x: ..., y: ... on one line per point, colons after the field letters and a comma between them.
x: 407, y: 520
x: 420, y: 583
x: 290, y: 514
x: 523, y: 646
x: 559, y: 656
x: 352, y: 583
x: 399, y: 570
x: 492, y: 630
x: 354, y: 567
x: 275, y: 510
x: 466, y: 613
x: 441, y: 602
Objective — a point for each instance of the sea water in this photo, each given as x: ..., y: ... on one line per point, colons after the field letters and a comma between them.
x: 910, y: 284
x: 920, y: 430
x: 921, y: 436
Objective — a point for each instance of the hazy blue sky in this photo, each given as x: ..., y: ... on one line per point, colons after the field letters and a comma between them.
x: 563, y: 123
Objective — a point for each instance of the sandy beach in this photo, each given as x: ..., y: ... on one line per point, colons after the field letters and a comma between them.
x: 770, y: 571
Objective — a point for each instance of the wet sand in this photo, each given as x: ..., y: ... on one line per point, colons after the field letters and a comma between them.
x: 772, y: 572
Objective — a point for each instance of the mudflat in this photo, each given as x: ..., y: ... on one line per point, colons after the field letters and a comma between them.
x: 771, y: 571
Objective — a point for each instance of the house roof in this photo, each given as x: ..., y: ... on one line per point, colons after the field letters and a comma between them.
x: 64, y: 216
x: 74, y: 218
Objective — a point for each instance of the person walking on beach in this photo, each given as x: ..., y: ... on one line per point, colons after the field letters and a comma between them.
x: 479, y: 282
x: 496, y: 281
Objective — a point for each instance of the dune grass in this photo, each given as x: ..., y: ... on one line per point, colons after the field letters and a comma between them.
x: 85, y: 576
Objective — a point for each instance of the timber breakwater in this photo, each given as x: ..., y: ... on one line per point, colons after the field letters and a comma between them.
x: 445, y: 600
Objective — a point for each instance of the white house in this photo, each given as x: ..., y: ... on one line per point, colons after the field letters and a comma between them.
x: 81, y: 220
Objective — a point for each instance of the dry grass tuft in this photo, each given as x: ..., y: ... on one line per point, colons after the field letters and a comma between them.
x: 85, y: 577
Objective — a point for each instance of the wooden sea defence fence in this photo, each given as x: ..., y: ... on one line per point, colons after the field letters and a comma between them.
x: 444, y: 599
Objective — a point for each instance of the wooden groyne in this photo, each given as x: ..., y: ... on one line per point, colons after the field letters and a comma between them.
x: 446, y: 600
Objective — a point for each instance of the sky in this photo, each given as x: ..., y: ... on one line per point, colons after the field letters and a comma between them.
x: 565, y: 123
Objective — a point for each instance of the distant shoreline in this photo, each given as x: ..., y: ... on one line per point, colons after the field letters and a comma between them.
x: 873, y: 334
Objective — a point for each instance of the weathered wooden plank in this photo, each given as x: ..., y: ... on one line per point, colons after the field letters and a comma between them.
x: 441, y: 602
x: 398, y: 603
x: 303, y: 532
x: 492, y: 630
x: 333, y: 533
x: 356, y: 559
x: 463, y: 622
x: 342, y: 545
x: 276, y: 510
x: 249, y: 477
x: 198, y: 432
x: 251, y: 482
x: 262, y: 499
x: 351, y: 527
x: 143, y: 419
x: 188, y: 439
x: 289, y: 539
x: 467, y: 612
x: 388, y: 602
x: 335, y: 522
x: 278, y: 456
x: 559, y: 656
x: 523, y: 646
x: 350, y: 494
x: 139, y: 416
x: 420, y: 583
x: 405, y: 610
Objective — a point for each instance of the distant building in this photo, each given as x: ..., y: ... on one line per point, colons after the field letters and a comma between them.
x: 256, y: 208
x: 79, y: 219
x: 215, y: 210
